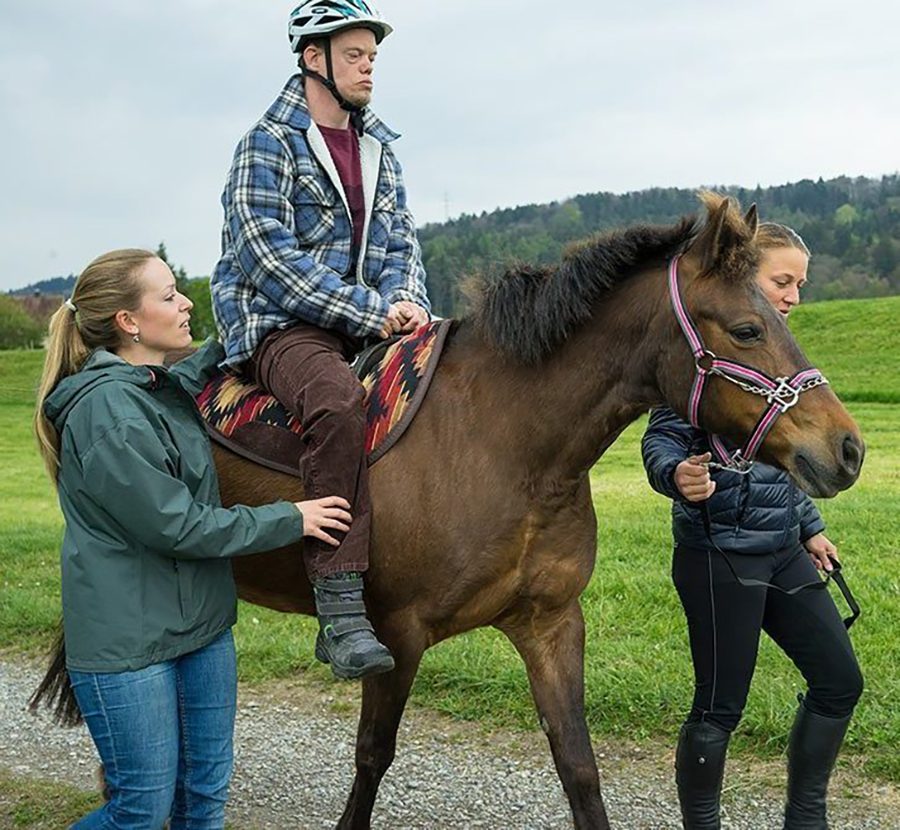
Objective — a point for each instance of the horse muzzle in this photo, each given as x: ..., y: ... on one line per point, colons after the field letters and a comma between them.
x: 824, y: 475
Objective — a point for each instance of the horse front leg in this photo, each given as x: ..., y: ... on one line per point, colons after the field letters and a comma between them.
x: 384, y: 698
x: 552, y: 645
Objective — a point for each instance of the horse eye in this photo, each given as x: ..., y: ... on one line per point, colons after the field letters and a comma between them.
x: 746, y: 333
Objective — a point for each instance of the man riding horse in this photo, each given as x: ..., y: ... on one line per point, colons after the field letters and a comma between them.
x: 319, y: 254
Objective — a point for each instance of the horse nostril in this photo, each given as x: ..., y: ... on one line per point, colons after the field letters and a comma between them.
x: 852, y: 453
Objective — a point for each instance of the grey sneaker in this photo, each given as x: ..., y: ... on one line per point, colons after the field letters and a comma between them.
x: 346, y: 638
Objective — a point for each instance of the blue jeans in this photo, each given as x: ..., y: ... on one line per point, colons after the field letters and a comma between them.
x: 164, y: 735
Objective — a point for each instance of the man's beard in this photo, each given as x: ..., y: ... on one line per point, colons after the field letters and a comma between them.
x: 359, y: 99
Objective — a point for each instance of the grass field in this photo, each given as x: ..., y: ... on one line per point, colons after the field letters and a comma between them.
x: 637, y: 666
x: 856, y: 343
x: 41, y: 805
x: 26, y: 804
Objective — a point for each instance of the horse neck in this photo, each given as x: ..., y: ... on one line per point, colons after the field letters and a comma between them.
x: 567, y: 411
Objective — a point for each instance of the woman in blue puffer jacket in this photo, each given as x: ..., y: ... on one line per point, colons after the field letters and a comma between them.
x: 758, y: 527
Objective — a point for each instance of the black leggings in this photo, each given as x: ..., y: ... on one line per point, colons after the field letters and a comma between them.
x: 725, y: 619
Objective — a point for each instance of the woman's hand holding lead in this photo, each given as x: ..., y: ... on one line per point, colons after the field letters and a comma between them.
x: 692, y: 478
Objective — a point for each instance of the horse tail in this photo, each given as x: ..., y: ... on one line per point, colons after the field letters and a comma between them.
x: 55, y: 690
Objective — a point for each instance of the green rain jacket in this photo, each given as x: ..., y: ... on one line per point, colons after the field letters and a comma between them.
x: 145, y: 570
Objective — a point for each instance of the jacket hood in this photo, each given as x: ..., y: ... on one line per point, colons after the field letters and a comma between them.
x: 101, y: 367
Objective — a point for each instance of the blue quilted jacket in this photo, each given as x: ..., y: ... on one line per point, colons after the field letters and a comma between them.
x: 761, y: 512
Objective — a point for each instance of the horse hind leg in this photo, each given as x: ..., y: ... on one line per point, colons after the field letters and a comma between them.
x: 552, y: 646
x: 384, y: 698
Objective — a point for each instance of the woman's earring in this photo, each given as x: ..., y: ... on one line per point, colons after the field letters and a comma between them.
x: 136, y: 337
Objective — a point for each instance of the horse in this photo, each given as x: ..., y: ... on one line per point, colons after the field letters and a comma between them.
x: 482, y: 512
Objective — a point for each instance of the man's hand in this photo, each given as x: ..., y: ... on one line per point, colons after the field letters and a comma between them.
x: 393, y: 323
x: 692, y: 478
x: 820, y: 548
x: 412, y: 315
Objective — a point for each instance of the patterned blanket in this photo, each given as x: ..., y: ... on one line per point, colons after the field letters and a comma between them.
x: 249, y: 421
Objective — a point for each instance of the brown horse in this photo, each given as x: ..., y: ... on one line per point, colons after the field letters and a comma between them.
x: 483, y: 513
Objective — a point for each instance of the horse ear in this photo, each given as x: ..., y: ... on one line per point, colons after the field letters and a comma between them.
x: 710, y: 242
x: 752, y: 219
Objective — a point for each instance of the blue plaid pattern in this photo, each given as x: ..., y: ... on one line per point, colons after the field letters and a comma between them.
x: 286, y: 241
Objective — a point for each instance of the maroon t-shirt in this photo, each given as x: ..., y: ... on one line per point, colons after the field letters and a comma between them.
x: 344, y: 148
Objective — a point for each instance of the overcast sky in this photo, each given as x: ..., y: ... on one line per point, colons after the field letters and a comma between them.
x: 118, y: 118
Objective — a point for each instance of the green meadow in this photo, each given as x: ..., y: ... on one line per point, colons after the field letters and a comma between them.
x: 638, y: 674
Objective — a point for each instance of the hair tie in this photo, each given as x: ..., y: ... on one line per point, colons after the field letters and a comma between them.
x: 70, y: 305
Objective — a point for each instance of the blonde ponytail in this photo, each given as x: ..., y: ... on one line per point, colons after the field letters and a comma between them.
x: 83, y: 323
x: 66, y: 353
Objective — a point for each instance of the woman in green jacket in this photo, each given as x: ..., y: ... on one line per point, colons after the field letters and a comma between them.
x: 147, y: 592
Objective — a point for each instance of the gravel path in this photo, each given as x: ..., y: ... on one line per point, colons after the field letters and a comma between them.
x: 293, y: 769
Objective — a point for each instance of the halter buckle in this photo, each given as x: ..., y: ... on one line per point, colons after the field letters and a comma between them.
x: 784, y: 395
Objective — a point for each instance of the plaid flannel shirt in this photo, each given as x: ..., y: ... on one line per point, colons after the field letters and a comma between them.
x: 286, y: 241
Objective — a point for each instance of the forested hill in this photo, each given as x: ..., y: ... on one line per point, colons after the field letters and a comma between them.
x: 852, y: 227
x: 54, y: 285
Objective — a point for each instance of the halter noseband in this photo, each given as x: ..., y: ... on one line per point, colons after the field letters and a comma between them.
x: 780, y: 393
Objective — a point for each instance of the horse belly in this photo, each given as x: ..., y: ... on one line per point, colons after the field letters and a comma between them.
x: 275, y: 579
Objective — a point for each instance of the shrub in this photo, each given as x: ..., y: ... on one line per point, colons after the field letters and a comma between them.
x: 18, y: 329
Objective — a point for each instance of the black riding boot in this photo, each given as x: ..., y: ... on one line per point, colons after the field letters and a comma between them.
x: 699, y: 769
x: 813, y: 749
x: 346, y: 638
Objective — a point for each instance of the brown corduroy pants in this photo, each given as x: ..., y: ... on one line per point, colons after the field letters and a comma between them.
x: 307, y: 369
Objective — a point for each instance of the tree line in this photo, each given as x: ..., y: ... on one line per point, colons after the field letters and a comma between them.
x: 851, y: 225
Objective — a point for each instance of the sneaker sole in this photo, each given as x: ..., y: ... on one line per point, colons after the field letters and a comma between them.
x: 381, y: 666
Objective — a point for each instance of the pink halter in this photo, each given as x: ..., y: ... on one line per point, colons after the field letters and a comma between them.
x: 781, y: 393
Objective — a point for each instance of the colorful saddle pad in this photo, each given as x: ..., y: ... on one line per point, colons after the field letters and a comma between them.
x: 249, y: 421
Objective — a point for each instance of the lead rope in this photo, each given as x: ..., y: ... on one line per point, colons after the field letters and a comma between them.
x: 834, y: 575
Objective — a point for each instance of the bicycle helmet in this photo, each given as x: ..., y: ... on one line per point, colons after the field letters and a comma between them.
x: 320, y: 18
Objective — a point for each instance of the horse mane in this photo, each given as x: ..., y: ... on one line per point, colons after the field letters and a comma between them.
x: 529, y: 311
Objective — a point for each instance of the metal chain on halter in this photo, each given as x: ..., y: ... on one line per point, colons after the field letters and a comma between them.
x: 784, y: 394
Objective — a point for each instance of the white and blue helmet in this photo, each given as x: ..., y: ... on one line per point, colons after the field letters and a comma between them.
x: 320, y: 18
